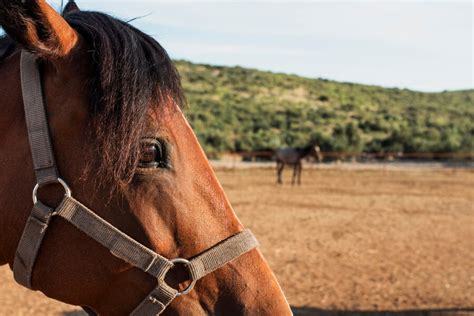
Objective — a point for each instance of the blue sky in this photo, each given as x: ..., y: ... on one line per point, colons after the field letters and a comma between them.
x: 420, y: 45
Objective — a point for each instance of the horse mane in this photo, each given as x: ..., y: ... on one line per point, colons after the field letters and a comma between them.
x: 131, y: 73
x: 305, y: 150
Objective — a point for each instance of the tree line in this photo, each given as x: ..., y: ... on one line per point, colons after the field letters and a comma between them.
x: 239, y: 109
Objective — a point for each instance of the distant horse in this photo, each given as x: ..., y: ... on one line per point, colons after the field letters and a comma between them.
x: 91, y: 102
x: 294, y: 156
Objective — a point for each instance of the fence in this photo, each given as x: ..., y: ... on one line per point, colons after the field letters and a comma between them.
x: 339, y: 155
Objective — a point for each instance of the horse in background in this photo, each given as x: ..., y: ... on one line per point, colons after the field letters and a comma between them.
x: 294, y: 156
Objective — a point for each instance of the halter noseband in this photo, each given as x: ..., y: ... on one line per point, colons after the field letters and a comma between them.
x: 119, y: 244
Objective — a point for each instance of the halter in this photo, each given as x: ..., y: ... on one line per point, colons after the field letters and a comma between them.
x: 119, y: 244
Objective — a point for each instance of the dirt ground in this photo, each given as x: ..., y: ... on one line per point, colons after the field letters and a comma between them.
x: 347, y: 239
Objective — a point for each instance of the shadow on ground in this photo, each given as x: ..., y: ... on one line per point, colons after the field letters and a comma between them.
x: 311, y: 311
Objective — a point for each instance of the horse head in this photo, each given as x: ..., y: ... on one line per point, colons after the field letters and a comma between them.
x: 316, y: 151
x: 121, y: 142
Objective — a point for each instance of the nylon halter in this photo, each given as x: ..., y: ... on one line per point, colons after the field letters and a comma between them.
x: 77, y: 214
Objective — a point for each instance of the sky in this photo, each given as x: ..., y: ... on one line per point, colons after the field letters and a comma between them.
x: 419, y: 45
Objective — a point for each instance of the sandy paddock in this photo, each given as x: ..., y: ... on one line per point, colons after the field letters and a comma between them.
x: 347, y: 239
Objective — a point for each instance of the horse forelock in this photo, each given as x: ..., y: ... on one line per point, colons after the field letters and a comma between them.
x: 131, y: 75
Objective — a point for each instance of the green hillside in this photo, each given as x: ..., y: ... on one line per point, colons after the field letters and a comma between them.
x: 238, y: 109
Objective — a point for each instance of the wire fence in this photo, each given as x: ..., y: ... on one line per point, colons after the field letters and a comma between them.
x: 361, y: 156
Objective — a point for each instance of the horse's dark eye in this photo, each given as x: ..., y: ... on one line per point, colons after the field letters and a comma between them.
x: 152, y: 155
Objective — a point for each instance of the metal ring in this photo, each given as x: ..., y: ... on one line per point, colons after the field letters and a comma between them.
x: 67, y: 190
x: 193, y: 282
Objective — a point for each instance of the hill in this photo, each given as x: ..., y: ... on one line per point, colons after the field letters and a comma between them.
x: 238, y: 109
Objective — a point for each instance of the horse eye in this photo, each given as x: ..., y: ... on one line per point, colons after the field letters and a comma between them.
x: 151, y: 155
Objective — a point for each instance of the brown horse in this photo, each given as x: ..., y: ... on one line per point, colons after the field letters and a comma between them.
x: 124, y: 147
x: 294, y: 156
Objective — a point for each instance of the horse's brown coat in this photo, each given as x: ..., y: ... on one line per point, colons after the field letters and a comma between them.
x: 178, y: 212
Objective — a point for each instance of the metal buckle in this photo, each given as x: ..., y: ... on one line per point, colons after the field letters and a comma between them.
x: 67, y: 190
x: 193, y: 282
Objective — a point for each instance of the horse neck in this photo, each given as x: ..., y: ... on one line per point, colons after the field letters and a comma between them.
x: 304, y: 152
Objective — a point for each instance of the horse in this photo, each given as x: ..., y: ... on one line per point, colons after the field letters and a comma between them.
x: 294, y: 156
x: 98, y: 102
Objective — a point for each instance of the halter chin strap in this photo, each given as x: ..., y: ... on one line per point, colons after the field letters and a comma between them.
x: 119, y: 244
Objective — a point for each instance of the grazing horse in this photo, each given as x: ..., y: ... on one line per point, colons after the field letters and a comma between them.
x: 293, y: 156
x: 120, y: 142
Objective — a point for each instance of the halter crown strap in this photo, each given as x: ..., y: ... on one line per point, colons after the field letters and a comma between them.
x: 36, y: 121
x: 119, y: 244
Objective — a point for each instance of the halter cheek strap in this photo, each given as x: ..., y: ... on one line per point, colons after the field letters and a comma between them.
x: 119, y: 244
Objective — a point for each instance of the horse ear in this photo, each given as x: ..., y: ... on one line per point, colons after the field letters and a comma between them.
x: 37, y: 27
x: 70, y: 7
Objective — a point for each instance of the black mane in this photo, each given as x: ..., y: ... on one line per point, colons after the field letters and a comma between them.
x: 305, y: 150
x: 131, y: 73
